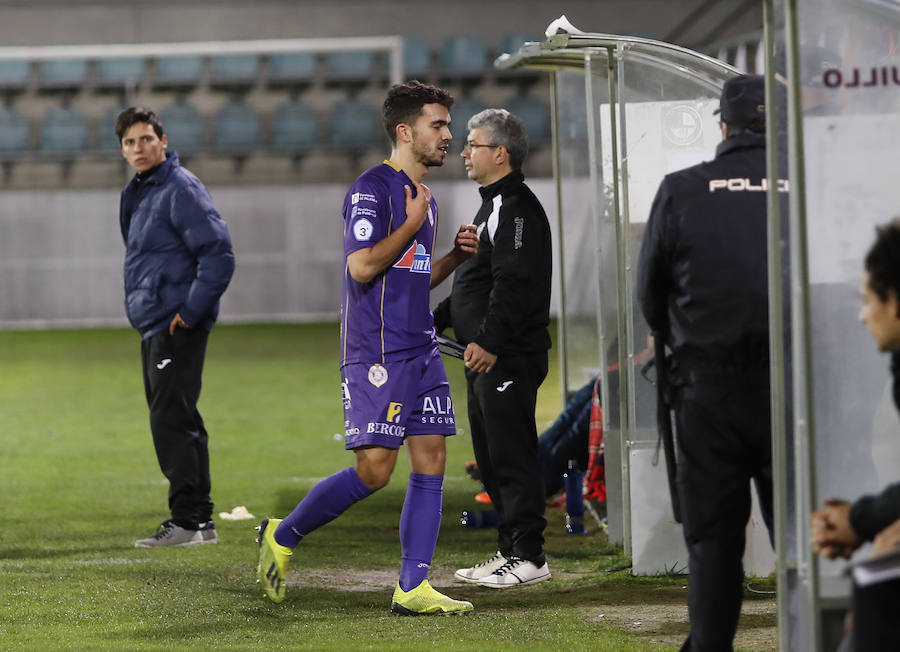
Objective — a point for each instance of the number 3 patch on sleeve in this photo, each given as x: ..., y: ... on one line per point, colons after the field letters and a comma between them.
x: 362, y: 229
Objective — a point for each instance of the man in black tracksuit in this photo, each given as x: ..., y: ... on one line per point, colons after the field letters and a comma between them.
x: 500, y: 308
x: 703, y: 287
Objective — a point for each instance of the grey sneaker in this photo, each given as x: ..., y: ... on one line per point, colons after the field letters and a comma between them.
x: 208, y: 532
x: 480, y: 570
x: 516, y: 572
x: 169, y: 534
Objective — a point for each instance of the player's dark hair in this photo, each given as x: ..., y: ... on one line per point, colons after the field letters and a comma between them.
x: 758, y: 126
x: 134, y: 115
x: 883, y: 260
x: 404, y: 103
x: 503, y: 128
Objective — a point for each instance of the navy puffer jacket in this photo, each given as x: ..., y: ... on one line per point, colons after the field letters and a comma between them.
x: 178, y: 255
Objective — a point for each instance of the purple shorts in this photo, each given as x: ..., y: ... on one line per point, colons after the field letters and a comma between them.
x: 385, y: 403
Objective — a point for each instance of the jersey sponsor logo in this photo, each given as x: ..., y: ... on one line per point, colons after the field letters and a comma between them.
x: 385, y: 429
x: 393, y: 412
x: 362, y: 229
x: 378, y: 375
x: 415, y: 259
x: 739, y: 184
x: 363, y: 211
x: 435, y: 405
x: 520, y: 229
x: 357, y: 197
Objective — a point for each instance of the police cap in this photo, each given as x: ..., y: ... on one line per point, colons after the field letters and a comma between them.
x: 743, y: 101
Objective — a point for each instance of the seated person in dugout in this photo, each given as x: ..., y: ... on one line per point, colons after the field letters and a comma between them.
x: 841, y: 527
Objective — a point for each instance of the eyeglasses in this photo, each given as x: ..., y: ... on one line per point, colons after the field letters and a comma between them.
x: 470, y: 145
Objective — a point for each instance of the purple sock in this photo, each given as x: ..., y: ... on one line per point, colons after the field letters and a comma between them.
x: 328, y: 499
x: 420, y: 522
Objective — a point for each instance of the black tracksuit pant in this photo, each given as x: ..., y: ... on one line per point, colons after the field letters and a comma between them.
x: 724, y: 441
x: 501, y: 416
x: 173, y: 365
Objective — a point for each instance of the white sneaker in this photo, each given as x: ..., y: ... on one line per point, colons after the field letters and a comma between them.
x: 516, y: 572
x: 479, y: 571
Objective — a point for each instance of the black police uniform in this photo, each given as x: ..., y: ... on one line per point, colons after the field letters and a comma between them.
x: 501, y: 301
x: 703, y: 286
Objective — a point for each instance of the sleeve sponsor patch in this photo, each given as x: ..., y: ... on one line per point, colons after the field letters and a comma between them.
x: 362, y: 229
x: 357, y: 197
x: 363, y: 211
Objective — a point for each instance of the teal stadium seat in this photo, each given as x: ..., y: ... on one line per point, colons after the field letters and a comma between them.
x: 353, y: 124
x: 119, y: 72
x: 534, y: 114
x: 14, y: 74
x: 416, y: 57
x: 463, y: 56
x: 64, y: 129
x: 106, y: 129
x: 13, y: 130
x: 183, y: 127
x: 237, y: 127
x: 292, y: 67
x: 349, y: 66
x: 295, y: 125
x: 178, y: 71
x: 463, y: 109
x: 234, y: 70
x: 63, y: 73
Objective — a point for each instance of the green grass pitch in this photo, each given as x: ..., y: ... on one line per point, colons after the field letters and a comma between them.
x: 80, y: 483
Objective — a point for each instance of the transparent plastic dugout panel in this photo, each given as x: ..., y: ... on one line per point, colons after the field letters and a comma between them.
x: 846, y: 123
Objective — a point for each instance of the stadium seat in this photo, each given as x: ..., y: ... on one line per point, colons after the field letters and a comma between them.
x: 416, y: 57
x: 463, y: 56
x: 512, y: 42
x: 63, y: 73
x: 234, y: 70
x: 534, y: 113
x: 64, y: 129
x: 178, y: 71
x: 13, y: 130
x: 119, y: 72
x: 353, y: 124
x: 295, y: 125
x: 14, y: 74
x: 106, y: 129
x: 237, y: 127
x: 349, y: 66
x: 463, y: 109
x: 183, y: 127
x: 292, y: 67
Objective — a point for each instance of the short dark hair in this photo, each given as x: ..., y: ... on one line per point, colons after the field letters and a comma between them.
x: 503, y: 128
x: 883, y: 260
x: 132, y: 116
x: 404, y: 103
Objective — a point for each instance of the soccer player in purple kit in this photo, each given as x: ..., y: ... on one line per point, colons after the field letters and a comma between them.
x: 395, y: 389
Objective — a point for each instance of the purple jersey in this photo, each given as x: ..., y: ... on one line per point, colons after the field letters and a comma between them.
x: 389, y: 318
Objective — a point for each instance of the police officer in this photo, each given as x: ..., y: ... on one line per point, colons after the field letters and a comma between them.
x: 703, y: 288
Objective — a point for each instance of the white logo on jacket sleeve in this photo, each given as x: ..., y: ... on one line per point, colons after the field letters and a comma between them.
x: 362, y: 230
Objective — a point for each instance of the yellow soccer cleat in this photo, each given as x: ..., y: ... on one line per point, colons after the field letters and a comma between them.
x: 424, y: 600
x: 273, y: 560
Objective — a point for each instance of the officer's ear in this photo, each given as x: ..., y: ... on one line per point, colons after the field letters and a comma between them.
x: 501, y: 154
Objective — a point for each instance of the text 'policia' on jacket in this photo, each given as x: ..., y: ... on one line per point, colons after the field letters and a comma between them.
x: 178, y: 255
x: 717, y: 311
x: 501, y: 296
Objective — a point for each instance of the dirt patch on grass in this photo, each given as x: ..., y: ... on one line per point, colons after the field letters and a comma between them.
x: 668, y: 624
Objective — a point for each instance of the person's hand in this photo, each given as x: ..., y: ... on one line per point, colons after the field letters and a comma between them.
x: 831, y: 533
x: 177, y: 322
x: 417, y: 207
x: 466, y: 243
x: 886, y: 540
x: 477, y: 359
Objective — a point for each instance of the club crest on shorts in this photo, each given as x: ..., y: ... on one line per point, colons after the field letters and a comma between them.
x: 377, y: 375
